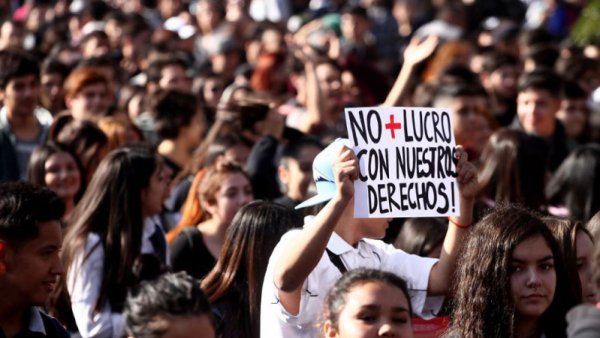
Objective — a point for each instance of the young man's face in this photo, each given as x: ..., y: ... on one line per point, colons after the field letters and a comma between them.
x: 503, y: 81
x: 52, y: 89
x: 297, y: 174
x: 21, y: 95
x: 33, y: 269
x: 469, y: 122
x: 330, y: 84
x: 173, y: 77
x: 536, y: 109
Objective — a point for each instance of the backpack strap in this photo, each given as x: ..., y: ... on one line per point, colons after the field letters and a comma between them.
x: 337, y: 261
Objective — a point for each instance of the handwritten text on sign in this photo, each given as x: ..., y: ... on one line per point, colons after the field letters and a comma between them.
x: 407, y: 165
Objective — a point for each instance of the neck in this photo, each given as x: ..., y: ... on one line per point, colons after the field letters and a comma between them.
x: 174, y: 151
x: 347, y: 228
x: 213, y: 229
x: 23, y: 126
x: 11, y: 316
x: 69, y: 206
x: 527, y: 327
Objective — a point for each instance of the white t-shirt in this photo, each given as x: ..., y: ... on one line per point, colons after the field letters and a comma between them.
x: 275, y: 321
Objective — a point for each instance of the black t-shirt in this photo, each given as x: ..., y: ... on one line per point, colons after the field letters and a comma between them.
x: 190, y: 254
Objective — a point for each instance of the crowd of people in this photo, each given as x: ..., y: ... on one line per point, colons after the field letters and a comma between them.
x: 181, y: 168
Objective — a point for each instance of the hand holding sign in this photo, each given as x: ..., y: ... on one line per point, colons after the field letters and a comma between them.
x: 467, y: 174
x: 407, y: 162
x: 345, y: 169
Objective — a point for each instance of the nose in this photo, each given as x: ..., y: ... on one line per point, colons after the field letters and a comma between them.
x: 58, y: 268
x: 533, y: 279
x: 386, y: 330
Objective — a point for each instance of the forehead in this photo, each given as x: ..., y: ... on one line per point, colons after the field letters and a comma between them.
x: 532, y: 249
x: 61, y: 157
x: 376, y: 293
x: 22, y: 79
x: 327, y: 69
x: 189, y: 326
x: 49, y: 234
x: 533, y: 92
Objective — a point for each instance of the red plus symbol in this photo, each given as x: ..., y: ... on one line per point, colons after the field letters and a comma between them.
x: 392, y: 126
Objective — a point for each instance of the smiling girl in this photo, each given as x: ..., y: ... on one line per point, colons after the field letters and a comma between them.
x: 55, y: 166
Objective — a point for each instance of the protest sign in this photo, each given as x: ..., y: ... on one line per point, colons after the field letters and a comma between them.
x: 407, y: 164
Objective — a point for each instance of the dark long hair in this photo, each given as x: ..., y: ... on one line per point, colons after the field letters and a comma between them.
x: 565, y: 232
x: 242, y: 263
x: 112, y: 209
x: 514, y: 169
x: 483, y: 302
x: 577, y: 183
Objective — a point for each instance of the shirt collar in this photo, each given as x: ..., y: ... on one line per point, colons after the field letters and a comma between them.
x: 149, y: 227
x: 337, y: 245
x: 36, y: 323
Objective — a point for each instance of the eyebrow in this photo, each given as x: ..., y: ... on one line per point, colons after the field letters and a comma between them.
x: 50, y: 247
x: 376, y: 307
x: 543, y: 259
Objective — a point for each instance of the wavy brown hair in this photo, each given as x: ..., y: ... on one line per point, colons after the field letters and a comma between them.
x: 483, y: 302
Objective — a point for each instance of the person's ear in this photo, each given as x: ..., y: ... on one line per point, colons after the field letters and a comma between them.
x: 2, y: 257
x: 209, y: 207
x: 283, y: 174
x: 328, y: 330
x: 68, y: 102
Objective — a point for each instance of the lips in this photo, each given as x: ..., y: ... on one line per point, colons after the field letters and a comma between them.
x: 50, y: 285
x: 535, y: 296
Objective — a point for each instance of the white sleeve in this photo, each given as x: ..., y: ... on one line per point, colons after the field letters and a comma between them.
x: 83, y: 282
x: 415, y: 271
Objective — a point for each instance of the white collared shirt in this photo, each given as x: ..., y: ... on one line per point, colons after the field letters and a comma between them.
x: 83, y: 282
x: 277, y: 322
x: 36, y: 323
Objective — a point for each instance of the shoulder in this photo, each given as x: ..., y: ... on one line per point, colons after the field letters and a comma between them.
x: 53, y: 327
x: 188, y: 238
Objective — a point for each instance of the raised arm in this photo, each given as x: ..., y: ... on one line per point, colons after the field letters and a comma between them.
x: 298, y: 260
x: 315, y: 103
x: 458, y: 227
x: 416, y: 52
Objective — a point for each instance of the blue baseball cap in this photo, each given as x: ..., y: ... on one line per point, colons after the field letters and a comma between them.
x: 323, y: 173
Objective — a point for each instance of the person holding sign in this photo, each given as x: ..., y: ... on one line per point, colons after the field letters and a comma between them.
x: 307, y: 262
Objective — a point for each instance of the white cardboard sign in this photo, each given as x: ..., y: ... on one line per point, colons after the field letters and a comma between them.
x: 406, y: 158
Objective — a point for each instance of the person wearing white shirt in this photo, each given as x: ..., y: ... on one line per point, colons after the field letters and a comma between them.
x: 112, y: 225
x: 306, y: 263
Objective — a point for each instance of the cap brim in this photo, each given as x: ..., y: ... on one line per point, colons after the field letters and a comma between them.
x: 318, y: 199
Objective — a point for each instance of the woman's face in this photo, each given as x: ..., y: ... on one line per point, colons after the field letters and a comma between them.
x: 533, y: 277
x: 235, y: 192
x: 585, y: 266
x: 373, y: 309
x: 157, y: 191
x: 62, y: 175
